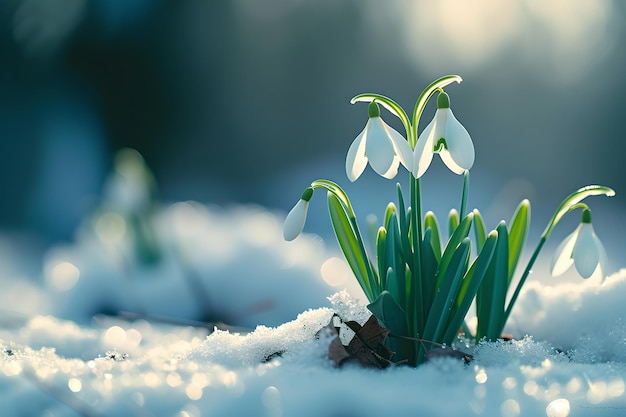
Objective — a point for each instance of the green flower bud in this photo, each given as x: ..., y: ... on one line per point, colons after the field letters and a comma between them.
x: 373, y: 110
x: 307, y: 194
x: 443, y: 101
x: 586, y: 216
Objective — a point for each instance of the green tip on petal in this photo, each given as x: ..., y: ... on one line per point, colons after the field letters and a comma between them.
x: 586, y: 216
x: 373, y: 110
x: 307, y: 194
x: 443, y: 101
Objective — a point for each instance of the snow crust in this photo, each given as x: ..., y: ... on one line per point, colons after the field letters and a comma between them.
x: 56, y: 359
x: 55, y: 367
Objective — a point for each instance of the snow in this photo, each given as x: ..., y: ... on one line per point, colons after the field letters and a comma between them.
x: 64, y: 353
x: 56, y: 368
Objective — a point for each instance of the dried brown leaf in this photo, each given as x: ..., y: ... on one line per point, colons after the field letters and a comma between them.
x: 368, y: 344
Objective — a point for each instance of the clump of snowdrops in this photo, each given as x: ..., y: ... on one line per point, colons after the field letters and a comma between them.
x: 420, y: 287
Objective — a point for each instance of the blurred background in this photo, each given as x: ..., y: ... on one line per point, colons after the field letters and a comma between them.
x: 247, y: 101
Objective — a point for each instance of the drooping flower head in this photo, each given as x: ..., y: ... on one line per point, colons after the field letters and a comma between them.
x: 447, y: 137
x: 294, y: 223
x: 581, y: 248
x: 379, y: 144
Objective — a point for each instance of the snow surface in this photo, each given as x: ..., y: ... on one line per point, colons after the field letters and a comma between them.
x: 58, y: 359
x: 51, y: 367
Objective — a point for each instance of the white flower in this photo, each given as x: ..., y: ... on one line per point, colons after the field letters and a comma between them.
x: 581, y: 248
x: 294, y: 223
x: 379, y: 143
x: 447, y: 137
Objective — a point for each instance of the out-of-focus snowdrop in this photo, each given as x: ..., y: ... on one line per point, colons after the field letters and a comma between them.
x: 214, y: 264
x: 129, y: 206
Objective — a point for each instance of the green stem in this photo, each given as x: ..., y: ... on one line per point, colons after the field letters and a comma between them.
x: 522, y: 280
x: 465, y: 193
x: 417, y: 313
x: 423, y: 99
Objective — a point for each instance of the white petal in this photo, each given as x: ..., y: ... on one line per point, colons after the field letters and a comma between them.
x: 447, y: 159
x: 562, y: 259
x: 294, y: 223
x: 423, y: 152
x: 586, y: 255
x: 441, y: 124
x: 602, y: 265
x: 356, y: 161
x: 379, y: 149
x: 393, y: 169
x: 401, y: 147
x: 460, y: 153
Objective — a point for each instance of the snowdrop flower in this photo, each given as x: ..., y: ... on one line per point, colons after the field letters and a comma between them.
x: 447, y: 137
x: 294, y: 223
x: 379, y: 144
x: 583, y: 249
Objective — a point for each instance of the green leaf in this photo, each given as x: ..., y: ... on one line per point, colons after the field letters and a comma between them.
x: 430, y: 222
x: 573, y: 199
x: 391, y: 315
x: 459, y: 234
x: 381, y: 247
x: 349, y: 243
x: 453, y: 221
x: 446, y: 293
x: 430, y: 264
x: 404, y: 225
x: 517, y: 235
x: 479, y: 230
x: 395, y: 260
x: 493, y: 290
x: 387, y: 310
x: 389, y: 211
x: 469, y: 287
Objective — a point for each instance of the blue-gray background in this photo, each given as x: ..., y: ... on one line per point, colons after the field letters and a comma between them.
x: 246, y: 101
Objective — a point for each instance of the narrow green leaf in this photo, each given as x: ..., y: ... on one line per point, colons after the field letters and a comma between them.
x: 494, y: 288
x: 453, y: 221
x: 391, y: 315
x: 387, y: 310
x: 520, y: 223
x: 381, y: 248
x: 404, y: 225
x: 430, y: 264
x: 430, y: 221
x: 479, y: 230
x: 446, y: 293
x: 469, y: 287
x: 395, y: 261
x: 389, y: 211
x: 348, y: 241
x: 459, y: 234
x: 393, y: 286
